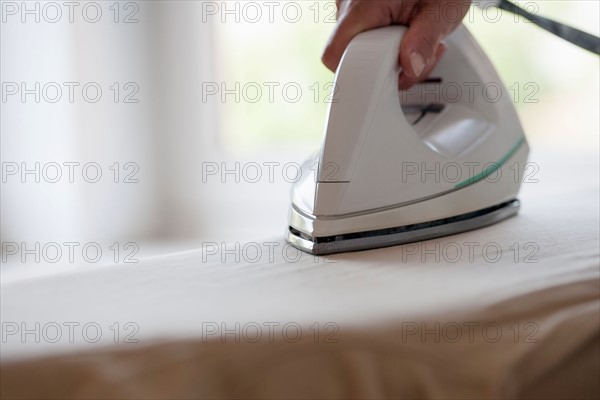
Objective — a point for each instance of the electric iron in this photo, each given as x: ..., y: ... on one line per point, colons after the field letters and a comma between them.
x: 443, y: 157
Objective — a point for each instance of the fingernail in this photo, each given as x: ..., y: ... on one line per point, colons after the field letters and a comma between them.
x: 417, y: 63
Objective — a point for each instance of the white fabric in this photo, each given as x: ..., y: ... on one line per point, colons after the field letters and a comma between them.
x: 375, y: 299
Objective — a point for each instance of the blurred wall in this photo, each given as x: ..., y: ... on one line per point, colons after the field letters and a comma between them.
x: 146, y: 132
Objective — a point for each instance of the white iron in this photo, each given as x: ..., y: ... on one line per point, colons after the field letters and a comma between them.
x: 443, y: 157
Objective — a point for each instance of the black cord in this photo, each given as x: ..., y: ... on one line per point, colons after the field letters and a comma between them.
x: 570, y: 34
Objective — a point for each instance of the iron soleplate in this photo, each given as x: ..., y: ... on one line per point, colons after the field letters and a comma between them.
x: 402, y: 234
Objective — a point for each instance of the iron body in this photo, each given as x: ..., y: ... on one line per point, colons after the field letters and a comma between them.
x: 443, y: 157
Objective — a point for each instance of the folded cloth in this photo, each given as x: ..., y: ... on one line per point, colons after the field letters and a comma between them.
x: 507, y: 311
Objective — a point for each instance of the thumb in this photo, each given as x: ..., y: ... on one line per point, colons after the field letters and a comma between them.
x: 425, y: 32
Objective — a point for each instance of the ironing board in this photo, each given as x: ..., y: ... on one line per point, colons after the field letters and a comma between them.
x: 427, y: 320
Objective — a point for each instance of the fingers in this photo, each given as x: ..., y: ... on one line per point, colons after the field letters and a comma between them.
x: 429, y: 21
x: 429, y: 25
x: 356, y: 18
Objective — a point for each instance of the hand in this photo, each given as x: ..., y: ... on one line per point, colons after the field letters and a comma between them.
x: 428, y: 21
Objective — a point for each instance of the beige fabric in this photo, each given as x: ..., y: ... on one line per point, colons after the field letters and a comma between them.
x: 376, y: 299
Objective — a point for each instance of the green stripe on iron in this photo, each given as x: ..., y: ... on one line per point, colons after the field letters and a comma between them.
x: 492, y: 168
